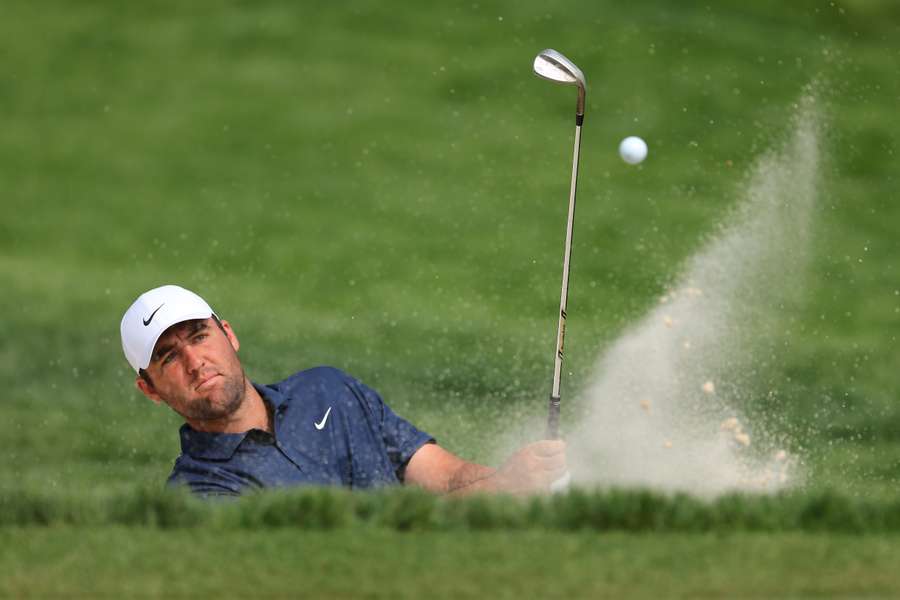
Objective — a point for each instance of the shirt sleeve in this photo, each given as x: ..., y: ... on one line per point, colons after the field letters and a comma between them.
x: 401, y: 438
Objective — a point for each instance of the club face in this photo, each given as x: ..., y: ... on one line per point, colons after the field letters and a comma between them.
x: 552, y: 65
x: 555, y: 67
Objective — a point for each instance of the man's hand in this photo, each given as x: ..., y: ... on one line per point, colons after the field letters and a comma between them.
x: 532, y: 468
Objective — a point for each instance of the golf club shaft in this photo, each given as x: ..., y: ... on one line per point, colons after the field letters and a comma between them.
x: 553, y: 417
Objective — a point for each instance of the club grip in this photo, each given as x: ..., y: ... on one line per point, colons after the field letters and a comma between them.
x: 553, y: 419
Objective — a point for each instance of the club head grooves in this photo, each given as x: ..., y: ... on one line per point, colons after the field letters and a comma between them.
x: 553, y: 66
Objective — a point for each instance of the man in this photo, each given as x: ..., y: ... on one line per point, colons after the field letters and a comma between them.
x: 319, y: 426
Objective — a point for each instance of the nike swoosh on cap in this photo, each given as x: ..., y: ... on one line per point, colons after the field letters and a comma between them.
x: 153, y: 314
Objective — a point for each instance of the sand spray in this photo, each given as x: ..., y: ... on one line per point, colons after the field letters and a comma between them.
x: 662, y: 409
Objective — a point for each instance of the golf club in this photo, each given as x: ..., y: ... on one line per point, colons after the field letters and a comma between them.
x: 552, y: 65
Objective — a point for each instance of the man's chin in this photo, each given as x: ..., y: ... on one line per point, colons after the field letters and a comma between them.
x: 220, y: 403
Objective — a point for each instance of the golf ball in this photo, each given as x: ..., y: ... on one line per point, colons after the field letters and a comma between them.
x: 633, y: 150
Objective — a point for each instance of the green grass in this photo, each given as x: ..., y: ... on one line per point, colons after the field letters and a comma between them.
x: 382, y: 188
x: 415, y: 510
x: 51, y: 562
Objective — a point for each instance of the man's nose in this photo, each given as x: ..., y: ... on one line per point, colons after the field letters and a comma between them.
x: 192, y: 359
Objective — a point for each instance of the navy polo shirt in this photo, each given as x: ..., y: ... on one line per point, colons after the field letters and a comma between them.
x: 330, y: 429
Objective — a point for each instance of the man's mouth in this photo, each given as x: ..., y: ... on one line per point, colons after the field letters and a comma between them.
x: 207, y: 381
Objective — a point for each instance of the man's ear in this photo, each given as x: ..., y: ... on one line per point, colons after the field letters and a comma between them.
x: 229, y: 333
x: 147, y: 389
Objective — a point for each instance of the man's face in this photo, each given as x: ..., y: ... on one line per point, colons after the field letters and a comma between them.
x: 194, y: 369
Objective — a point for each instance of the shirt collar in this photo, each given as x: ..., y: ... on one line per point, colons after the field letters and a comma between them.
x: 221, y: 446
x: 270, y: 394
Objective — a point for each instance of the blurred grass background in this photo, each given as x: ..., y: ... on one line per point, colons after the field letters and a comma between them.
x: 382, y: 188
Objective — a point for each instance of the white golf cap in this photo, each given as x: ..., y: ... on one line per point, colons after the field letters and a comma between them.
x: 154, y: 312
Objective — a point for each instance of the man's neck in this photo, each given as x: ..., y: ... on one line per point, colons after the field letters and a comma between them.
x: 252, y: 414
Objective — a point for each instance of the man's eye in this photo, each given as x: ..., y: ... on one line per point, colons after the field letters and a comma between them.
x: 168, y: 358
x: 200, y: 337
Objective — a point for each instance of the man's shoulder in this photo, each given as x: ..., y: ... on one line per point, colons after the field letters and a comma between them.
x: 321, y: 375
x: 317, y: 382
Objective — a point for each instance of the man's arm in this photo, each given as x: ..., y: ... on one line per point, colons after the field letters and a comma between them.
x: 530, y: 469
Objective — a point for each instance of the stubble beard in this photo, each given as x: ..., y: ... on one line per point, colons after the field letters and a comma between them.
x: 233, y: 392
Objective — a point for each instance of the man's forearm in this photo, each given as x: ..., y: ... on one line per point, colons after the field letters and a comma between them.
x: 470, y: 478
x: 531, y: 468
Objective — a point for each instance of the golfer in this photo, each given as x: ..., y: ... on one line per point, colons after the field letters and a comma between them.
x: 319, y: 426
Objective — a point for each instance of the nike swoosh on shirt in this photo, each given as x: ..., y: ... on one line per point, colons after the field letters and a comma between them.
x: 153, y: 314
x: 321, y: 423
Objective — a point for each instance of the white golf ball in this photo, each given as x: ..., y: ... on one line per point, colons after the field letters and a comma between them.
x: 633, y: 150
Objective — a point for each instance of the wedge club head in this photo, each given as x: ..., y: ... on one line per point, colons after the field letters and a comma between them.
x: 555, y: 67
